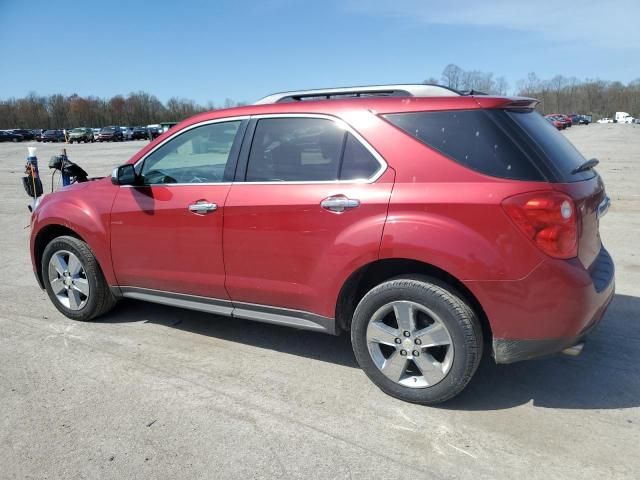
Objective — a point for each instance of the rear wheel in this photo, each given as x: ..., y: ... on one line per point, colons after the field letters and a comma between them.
x: 416, y: 339
x: 74, y: 281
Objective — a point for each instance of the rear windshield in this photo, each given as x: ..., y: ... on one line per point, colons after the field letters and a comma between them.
x: 519, y: 145
x: 108, y: 129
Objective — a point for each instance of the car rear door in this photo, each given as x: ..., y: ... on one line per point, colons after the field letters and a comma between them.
x: 166, y: 233
x: 306, y: 209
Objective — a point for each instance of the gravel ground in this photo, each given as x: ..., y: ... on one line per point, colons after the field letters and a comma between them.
x: 158, y: 392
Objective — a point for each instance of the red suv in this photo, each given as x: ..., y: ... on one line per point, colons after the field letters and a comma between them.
x: 429, y: 224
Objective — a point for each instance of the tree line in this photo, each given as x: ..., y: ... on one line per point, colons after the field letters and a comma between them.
x: 560, y: 94
x: 60, y: 111
x: 600, y: 98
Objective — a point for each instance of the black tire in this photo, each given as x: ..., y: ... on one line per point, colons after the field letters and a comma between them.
x: 458, y: 318
x: 100, y: 299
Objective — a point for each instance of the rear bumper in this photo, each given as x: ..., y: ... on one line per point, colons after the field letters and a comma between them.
x: 516, y: 350
x: 552, y: 308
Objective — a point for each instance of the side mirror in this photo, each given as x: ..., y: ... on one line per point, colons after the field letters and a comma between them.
x: 124, y: 175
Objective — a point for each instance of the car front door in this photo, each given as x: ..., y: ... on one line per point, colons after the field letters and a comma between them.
x: 166, y: 232
x: 307, y: 208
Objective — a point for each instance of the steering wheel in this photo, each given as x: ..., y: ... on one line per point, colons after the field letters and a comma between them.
x: 196, y: 179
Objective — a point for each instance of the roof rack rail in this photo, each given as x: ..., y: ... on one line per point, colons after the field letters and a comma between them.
x: 417, y: 90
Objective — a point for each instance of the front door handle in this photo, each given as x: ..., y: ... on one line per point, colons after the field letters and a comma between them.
x: 202, y: 207
x: 339, y: 203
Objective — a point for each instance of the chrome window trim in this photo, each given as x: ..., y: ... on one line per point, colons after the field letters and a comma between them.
x: 180, y: 132
x: 343, y: 125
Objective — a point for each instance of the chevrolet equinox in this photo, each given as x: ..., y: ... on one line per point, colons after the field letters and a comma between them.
x: 430, y: 224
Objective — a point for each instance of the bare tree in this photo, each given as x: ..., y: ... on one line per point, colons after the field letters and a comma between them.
x: 452, y: 76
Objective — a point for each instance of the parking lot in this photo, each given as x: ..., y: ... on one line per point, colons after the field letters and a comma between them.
x: 154, y: 391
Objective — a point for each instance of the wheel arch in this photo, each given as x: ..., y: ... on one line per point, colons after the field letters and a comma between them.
x: 376, y: 272
x: 43, y: 238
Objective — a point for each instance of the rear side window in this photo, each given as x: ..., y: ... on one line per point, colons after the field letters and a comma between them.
x: 357, y: 162
x: 473, y: 138
x: 306, y: 149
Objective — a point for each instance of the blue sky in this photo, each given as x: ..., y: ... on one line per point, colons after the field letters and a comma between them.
x: 212, y: 50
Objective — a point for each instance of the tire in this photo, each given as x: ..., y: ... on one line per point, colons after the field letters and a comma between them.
x: 425, y: 375
x: 87, y: 284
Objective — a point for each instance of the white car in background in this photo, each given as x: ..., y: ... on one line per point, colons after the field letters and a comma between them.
x: 127, y: 133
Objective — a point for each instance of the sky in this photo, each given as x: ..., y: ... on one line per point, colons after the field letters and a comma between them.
x: 244, y: 49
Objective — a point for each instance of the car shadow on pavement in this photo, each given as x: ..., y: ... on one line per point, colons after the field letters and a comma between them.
x: 605, y: 376
x: 317, y: 346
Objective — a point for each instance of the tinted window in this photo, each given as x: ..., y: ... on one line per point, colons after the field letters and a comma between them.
x: 557, y: 150
x: 295, y: 149
x: 199, y: 155
x: 357, y: 161
x: 474, y: 138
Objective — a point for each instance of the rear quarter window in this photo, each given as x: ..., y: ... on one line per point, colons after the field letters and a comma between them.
x: 473, y: 138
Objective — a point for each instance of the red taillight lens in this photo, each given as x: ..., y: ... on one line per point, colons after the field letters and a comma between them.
x: 549, y: 219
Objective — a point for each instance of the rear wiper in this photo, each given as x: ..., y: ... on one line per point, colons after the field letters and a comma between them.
x: 588, y: 165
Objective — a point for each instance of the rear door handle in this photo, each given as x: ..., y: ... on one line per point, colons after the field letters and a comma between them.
x: 202, y: 207
x: 339, y: 203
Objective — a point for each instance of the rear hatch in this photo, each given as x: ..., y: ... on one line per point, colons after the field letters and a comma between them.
x: 561, y: 161
x: 516, y: 143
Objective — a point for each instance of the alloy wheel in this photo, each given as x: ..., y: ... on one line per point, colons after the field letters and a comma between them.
x: 68, y: 280
x: 410, y: 344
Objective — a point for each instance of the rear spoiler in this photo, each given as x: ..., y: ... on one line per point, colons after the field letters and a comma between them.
x: 521, y: 104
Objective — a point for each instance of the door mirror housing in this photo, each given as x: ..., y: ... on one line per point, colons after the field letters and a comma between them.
x: 124, y: 175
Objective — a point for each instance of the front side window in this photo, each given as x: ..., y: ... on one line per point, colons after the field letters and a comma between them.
x: 198, y: 155
x: 306, y: 149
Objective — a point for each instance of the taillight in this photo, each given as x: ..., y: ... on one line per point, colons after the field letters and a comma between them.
x: 549, y: 219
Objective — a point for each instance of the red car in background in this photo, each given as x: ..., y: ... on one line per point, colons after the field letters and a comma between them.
x: 429, y: 224
x: 555, y: 122
x: 566, y: 120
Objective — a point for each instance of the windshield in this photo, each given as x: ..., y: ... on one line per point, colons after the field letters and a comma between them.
x: 77, y: 130
x: 108, y: 130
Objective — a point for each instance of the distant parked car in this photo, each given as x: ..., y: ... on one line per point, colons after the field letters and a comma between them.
x: 38, y: 134
x: 563, y: 118
x: 9, y: 136
x: 53, y: 136
x: 605, y: 120
x: 127, y: 133
x: 139, y: 133
x: 154, y: 132
x: 577, y: 119
x: 26, y: 134
x: 96, y: 132
x: 81, y: 135
x: 556, y: 122
x: 110, y: 134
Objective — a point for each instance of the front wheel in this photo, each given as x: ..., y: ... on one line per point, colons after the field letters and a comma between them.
x: 74, y: 281
x: 416, y: 339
